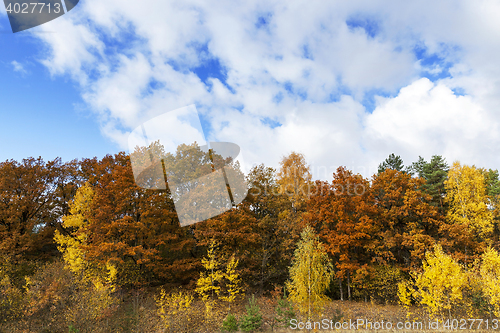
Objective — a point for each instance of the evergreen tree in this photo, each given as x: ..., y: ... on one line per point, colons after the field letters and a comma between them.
x: 392, y: 162
x: 252, y: 321
x: 435, y: 174
x: 417, y: 168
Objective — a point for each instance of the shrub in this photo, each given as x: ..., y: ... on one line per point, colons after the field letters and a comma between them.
x: 253, y: 319
x: 230, y: 324
x: 284, y: 312
x: 11, y: 299
x: 173, y: 309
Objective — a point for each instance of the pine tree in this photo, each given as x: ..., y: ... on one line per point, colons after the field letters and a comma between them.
x: 392, y: 162
x: 435, y: 174
x: 252, y: 321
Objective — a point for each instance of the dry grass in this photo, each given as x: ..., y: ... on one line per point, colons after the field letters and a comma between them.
x: 136, y: 313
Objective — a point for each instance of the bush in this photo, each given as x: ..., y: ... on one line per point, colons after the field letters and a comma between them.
x: 11, y: 299
x: 284, y: 312
x: 253, y: 319
x: 48, y: 290
x: 230, y: 324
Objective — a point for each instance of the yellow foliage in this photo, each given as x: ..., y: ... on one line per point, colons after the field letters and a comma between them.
x: 71, y: 246
x: 490, y: 279
x: 97, y: 281
x: 439, y: 287
x: 92, y: 302
x: 208, y: 284
x: 466, y: 194
x: 170, y: 305
x: 405, y: 294
x: 310, y: 274
x: 217, y: 283
x: 233, y: 285
x: 11, y: 299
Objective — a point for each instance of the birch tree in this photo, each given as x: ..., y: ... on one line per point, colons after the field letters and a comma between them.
x: 310, y: 274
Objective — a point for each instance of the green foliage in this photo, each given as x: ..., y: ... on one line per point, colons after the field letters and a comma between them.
x: 72, y: 329
x: 284, y: 312
x: 392, y: 162
x: 230, y: 323
x: 252, y: 320
x: 435, y: 174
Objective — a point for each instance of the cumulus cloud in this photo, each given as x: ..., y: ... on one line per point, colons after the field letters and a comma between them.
x: 426, y: 119
x: 286, y: 75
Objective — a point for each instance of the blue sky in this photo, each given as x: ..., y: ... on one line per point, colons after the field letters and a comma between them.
x: 345, y: 84
x: 42, y: 115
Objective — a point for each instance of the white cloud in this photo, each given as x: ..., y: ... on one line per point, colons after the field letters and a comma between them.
x: 18, y: 67
x: 426, y: 119
x: 303, y: 67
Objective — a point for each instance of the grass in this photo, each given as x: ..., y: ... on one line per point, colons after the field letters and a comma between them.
x: 137, y: 313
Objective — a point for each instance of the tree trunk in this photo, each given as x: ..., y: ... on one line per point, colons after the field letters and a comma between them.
x: 348, y: 286
x: 341, y: 291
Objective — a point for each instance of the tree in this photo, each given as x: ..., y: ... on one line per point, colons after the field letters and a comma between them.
x: 71, y: 246
x: 231, y: 282
x: 342, y: 215
x: 275, y: 225
x: 417, y: 168
x: 33, y: 196
x: 294, y: 178
x: 492, y: 183
x: 439, y: 287
x: 208, y: 284
x: 310, y: 274
x: 405, y: 221
x: 466, y: 196
x: 218, y: 282
x: 252, y: 321
x: 434, y: 173
x: 490, y: 279
x: 236, y: 233
x: 393, y: 162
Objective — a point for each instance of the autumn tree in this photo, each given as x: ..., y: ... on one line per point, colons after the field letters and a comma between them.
x: 406, y: 223
x: 208, y: 284
x: 489, y: 273
x: 310, y: 274
x: 470, y: 220
x: 34, y: 195
x: 439, y: 287
x: 294, y: 178
x: 134, y: 229
x: 492, y: 183
x: 342, y: 213
x: 220, y: 280
x: 278, y: 234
